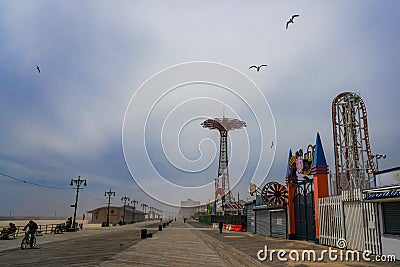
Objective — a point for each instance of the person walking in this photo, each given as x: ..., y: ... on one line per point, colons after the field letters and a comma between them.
x: 220, y: 226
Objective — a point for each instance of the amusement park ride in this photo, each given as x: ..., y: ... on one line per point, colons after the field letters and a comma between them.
x: 273, y: 194
x: 353, y: 157
x: 306, y: 198
x: 224, y: 202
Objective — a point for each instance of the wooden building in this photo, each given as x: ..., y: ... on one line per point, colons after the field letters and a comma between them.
x: 116, y: 215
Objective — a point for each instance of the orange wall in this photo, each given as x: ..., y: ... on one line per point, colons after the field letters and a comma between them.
x: 320, y: 190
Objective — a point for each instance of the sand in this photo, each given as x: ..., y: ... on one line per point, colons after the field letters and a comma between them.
x: 4, y: 223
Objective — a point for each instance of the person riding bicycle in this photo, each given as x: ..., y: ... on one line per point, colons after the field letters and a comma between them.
x: 32, y: 227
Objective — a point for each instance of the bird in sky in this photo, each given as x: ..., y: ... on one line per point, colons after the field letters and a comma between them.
x: 258, y: 67
x: 38, y: 69
x: 290, y: 21
x: 272, y: 144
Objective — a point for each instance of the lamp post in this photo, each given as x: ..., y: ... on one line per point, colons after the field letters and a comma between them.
x: 238, y: 205
x: 124, y: 199
x: 378, y: 156
x: 134, y: 202
x: 144, y: 206
x: 109, y: 194
x: 78, y: 183
x: 150, y: 207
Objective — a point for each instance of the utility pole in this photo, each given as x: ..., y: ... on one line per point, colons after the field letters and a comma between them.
x: 134, y: 202
x: 78, y: 183
x: 109, y: 194
x: 125, y: 199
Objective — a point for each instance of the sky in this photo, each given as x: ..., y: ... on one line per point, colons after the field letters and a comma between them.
x: 124, y: 86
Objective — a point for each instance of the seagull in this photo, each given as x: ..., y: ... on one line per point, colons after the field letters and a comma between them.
x: 37, y: 67
x: 258, y: 67
x: 272, y: 144
x: 291, y: 21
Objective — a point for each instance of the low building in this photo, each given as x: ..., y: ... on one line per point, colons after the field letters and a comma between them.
x: 386, y: 195
x: 189, y: 208
x: 264, y: 220
x: 116, y: 215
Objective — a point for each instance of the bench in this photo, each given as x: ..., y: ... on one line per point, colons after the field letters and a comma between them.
x: 58, y: 229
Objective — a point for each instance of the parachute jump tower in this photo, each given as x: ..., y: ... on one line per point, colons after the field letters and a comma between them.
x: 223, y: 125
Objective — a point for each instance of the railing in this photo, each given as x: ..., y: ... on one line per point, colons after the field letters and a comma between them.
x: 42, y: 229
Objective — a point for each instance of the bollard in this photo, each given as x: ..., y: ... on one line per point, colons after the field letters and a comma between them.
x: 160, y: 227
x: 164, y: 225
x: 143, y: 233
x: 167, y: 223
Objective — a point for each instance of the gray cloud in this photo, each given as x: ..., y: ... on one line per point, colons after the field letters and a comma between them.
x: 67, y: 121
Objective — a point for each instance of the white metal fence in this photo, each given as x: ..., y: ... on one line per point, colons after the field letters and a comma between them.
x: 331, y: 220
x: 347, y: 217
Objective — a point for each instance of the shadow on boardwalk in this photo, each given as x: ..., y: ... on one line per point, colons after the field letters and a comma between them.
x: 250, y: 244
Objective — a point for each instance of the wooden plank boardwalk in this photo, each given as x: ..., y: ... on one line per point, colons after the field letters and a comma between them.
x: 86, y: 248
x: 250, y: 244
x: 180, y: 245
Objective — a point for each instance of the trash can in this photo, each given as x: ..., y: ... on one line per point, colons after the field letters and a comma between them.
x: 164, y: 225
x: 160, y: 227
x: 143, y: 233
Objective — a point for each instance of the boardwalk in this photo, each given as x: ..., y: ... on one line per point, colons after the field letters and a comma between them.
x: 180, y: 244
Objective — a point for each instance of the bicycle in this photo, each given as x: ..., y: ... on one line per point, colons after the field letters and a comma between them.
x: 28, y: 241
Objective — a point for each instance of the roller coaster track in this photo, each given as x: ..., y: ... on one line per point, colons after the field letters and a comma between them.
x: 347, y: 145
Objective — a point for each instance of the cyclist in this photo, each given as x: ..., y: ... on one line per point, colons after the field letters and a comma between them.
x: 32, y: 227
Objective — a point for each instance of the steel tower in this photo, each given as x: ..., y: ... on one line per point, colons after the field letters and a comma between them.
x: 353, y: 158
x: 223, y: 125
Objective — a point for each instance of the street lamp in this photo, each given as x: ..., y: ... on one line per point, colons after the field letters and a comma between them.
x: 149, y: 215
x: 125, y: 199
x: 378, y: 156
x: 134, y: 202
x: 144, y: 206
x: 109, y: 194
x: 78, y: 183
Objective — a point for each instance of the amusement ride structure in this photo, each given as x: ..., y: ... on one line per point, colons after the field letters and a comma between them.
x: 353, y: 158
x: 223, y: 194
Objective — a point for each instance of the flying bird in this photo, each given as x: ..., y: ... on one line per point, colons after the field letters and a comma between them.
x: 290, y: 21
x: 272, y: 145
x: 38, y: 69
x: 258, y: 67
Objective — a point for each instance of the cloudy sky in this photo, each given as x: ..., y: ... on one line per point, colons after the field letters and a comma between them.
x: 105, y: 65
